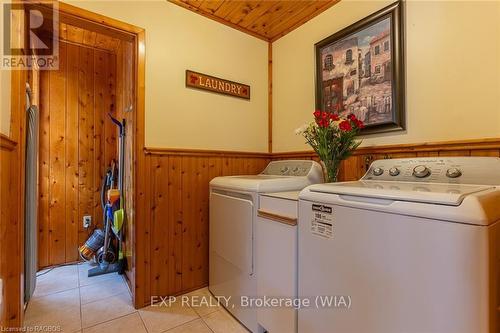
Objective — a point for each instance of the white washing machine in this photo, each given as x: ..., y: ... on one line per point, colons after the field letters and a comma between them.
x: 233, y: 212
x: 412, y: 247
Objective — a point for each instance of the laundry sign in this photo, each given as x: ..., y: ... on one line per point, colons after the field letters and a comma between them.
x: 214, y: 84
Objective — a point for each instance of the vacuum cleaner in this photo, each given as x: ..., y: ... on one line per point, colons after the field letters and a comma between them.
x: 99, y: 247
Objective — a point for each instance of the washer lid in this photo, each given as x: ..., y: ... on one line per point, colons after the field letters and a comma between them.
x: 434, y: 193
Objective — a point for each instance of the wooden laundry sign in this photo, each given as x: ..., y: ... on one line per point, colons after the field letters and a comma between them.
x: 217, y: 85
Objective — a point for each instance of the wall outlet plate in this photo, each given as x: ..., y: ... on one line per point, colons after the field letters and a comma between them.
x: 87, y: 221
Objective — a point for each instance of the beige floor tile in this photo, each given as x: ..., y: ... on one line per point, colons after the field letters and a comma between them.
x: 59, y: 279
x: 195, y: 326
x: 162, y: 318
x: 103, y: 290
x: 222, y: 322
x: 131, y: 323
x: 59, y: 309
x: 202, y: 302
x: 106, y: 309
x: 85, y: 280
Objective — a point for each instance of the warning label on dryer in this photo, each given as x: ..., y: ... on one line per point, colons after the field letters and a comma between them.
x: 322, y: 221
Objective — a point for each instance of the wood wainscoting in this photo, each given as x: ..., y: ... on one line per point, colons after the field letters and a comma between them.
x: 355, y: 166
x: 175, y: 228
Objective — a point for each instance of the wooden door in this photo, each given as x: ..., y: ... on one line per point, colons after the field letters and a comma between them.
x: 77, y: 143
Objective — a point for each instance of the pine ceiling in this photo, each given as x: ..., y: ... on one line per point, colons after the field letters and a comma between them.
x: 265, y: 19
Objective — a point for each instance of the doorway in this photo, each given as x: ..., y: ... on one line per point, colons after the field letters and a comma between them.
x: 101, y: 67
x: 77, y: 142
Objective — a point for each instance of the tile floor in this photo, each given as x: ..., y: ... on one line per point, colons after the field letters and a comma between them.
x: 67, y: 298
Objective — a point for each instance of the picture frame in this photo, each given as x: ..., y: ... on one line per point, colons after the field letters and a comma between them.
x: 360, y: 70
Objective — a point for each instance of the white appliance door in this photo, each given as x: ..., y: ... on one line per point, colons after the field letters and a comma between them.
x: 231, y: 252
x: 402, y: 273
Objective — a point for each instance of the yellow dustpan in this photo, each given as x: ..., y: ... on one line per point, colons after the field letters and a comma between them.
x: 118, y: 218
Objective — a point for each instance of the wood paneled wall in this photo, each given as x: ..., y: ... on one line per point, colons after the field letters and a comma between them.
x: 77, y: 143
x: 176, y: 221
x: 9, y: 231
x: 355, y: 167
x: 174, y: 235
x: 12, y: 208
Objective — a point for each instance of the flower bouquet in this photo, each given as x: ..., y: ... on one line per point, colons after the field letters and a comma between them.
x: 333, y: 138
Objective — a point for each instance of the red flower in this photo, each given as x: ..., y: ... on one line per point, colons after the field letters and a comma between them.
x: 322, y: 122
x: 334, y: 117
x: 317, y: 113
x: 352, y: 117
x: 345, y: 126
x: 360, y: 124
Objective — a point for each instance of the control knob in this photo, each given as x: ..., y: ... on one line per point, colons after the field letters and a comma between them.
x: 394, y: 171
x: 421, y: 171
x: 378, y: 171
x: 453, y: 173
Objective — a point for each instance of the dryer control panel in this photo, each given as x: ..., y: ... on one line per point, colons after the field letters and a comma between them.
x: 456, y: 170
x: 298, y: 168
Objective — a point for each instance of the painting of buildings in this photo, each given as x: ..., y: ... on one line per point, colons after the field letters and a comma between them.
x: 356, y: 74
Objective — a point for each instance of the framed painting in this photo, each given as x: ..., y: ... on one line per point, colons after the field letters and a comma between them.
x: 360, y: 70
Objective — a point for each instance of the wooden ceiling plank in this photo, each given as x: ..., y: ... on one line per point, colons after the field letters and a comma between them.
x: 218, y: 19
x: 292, y: 10
x: 193, y: 3
x: 245, y: 8
x: 310, y: 15
x: 262, y: 8
x: 260, y: 24
x: 227, y: 8
x: 211, y: 6
x: 264, y: 19
x: 306, y: 9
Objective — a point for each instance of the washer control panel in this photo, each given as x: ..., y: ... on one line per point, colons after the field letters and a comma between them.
x: 459, y: 170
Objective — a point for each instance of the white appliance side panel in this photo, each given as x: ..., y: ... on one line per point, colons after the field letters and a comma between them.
x: 403, y: 274
x: 277, y: 273
x: 231, y: 219
x: 231, y: 256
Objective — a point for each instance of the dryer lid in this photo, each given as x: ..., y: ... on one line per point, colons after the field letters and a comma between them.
x: 433, y: 193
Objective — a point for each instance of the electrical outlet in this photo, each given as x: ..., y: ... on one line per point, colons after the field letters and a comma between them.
x: 87, y: 221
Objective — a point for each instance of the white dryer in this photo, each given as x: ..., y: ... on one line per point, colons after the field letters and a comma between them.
x: 233, y: 212
x: 413, y: 247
